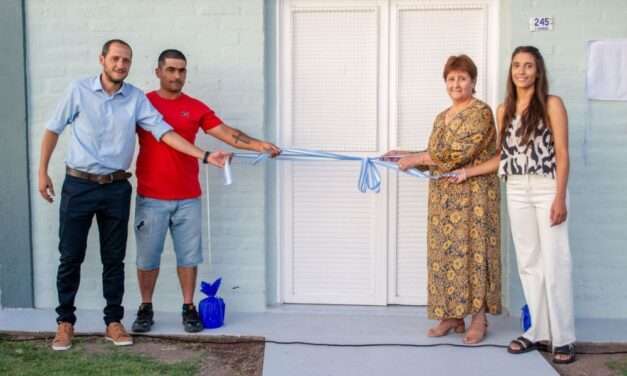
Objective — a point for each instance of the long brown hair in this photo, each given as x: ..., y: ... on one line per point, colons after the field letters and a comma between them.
x: 535, y: 116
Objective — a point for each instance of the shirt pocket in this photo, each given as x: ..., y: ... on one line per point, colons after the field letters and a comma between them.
x: 123, y: 124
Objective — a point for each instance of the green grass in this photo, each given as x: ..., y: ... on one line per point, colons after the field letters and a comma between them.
x: 36, y: 358
x: 620, y: 367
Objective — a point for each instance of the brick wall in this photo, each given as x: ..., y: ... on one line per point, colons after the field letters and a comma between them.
x: 223, y: 41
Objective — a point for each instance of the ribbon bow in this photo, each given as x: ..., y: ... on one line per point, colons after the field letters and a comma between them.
x: 369, y: 177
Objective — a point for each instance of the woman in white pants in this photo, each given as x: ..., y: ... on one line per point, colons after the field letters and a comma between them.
x: 533, y: 161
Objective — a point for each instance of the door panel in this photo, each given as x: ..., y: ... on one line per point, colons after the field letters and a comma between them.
x: 423, y: 36
x: 333, y: 238
x: 362, y: 77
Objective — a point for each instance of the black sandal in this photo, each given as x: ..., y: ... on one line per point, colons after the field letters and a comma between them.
x: 564, y: 350
x: 543, y: 346
x: 524, y: 345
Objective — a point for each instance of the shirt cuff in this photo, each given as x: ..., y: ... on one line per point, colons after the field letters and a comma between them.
x: 55, y: 128
x: 160, y: 130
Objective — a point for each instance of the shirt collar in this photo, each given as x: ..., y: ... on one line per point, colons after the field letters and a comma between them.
x: 97, y: 86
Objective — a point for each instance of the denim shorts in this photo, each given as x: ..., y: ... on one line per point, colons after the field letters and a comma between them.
x: 153, y: 219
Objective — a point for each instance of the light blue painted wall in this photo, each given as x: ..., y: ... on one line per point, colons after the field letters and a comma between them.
x: 270, y: 121
x: 598, y: 223
x: 508, y: 264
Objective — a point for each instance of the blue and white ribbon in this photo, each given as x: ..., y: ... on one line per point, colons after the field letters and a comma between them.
x: 369, y: 177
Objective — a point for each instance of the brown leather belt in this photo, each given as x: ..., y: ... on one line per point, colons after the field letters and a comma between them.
x: 100, y: 179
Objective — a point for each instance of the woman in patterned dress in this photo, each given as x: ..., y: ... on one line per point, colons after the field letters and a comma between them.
x: 463, y: 250
x: 534, y: 163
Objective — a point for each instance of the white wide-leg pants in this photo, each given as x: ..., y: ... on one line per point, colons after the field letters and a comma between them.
x: 543, y: 256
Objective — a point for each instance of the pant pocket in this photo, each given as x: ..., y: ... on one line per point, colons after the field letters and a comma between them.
x: 142, y: 217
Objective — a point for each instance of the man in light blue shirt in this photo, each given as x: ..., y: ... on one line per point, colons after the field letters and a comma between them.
x: 103, y: 137
x: 104, y: 112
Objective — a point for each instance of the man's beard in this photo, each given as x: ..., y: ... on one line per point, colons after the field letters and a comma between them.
x: 115, y: 80
x: 176, y: 88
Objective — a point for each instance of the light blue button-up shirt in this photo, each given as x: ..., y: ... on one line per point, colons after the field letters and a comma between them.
x: 103, y: 137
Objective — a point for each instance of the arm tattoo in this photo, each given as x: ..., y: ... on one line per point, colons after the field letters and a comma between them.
x: 240, y: 136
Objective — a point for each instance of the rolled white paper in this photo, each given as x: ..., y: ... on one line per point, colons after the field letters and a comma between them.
x: 228, y: 180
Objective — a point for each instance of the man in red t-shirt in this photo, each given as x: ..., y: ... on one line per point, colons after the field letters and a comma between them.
x: 168, y: 192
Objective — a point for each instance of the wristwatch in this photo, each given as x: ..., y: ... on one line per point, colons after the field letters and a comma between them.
x: 205, y: 157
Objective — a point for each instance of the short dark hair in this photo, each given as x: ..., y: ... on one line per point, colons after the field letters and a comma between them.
x: 461, y: 63
x: 105, y: 47
x: 170, y: 54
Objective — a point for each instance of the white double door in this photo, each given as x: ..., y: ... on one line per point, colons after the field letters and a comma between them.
x: 363, y: 77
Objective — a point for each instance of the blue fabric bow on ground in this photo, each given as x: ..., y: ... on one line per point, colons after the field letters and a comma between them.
x: 369, y: 177
x: 212, y: 308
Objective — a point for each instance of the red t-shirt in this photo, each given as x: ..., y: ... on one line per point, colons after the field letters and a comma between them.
x: 162, y: 172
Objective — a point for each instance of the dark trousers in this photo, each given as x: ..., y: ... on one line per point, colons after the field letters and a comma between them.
x: 80, y: 201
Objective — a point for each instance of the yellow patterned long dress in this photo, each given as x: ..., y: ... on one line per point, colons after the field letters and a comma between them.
x: 464, y: 257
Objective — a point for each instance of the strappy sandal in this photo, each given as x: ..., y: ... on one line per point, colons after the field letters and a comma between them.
x: 564, y: 350
x: 478, y: 329
x: 543, y: 346
x: 437, y: 331
x: 524, y: 345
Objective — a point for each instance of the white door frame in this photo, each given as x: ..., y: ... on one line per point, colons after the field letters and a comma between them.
x: 491, y: 73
